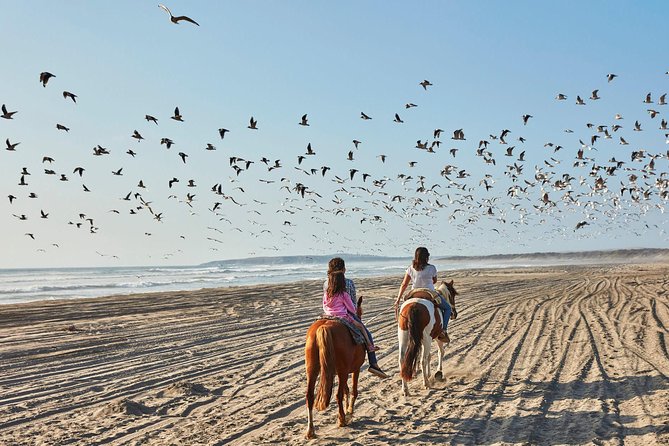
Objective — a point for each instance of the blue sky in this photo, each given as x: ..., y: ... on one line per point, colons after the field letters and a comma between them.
x: 489, y: 63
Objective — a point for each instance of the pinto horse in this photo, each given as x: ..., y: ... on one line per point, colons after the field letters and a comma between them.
x: 419, y: 322
x: 330, y: 351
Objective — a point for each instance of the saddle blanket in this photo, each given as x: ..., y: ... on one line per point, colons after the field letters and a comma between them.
x: 358, y: 338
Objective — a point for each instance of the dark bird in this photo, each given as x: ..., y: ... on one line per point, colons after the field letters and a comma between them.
x: 177, y: 116
x: 561, y: 97
x: 131, y: 153
x: 177, y: 19
x: 183, y: 157
x: 43, y: 214
x: 137, y: 136
x: 356, y: 143
x: 118, y: 172
x: 11, y: 198
x: 594, y: 96
x: 253, y: 124
x: 425, y: 84
x: 458, y: 135
x: 410, y: 105
x: 222, y: 132
x: 398, y: 119
x: 150, y: 118
x: 310, y: 151
x: 648, y: 99
x: 62, y: 127
x: 11, y: 147
x: 210, y: 147
x: 172, y: 181
x: 526, y: 118
x: 610, y: 77
x: 579, y: 101
x: 350, y: 155
x: 168, y: 142
x: 364, y: 116
x: 303, y: 121
x: 352, y: 173
x: 44, y: 77
x: 6, y: 114
x: 581, y: 224
x: 67, y: 94
x: 79, y: 170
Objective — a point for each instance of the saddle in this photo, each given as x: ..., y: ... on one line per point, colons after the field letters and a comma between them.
x: 425, y: 293
x: 357, y: 336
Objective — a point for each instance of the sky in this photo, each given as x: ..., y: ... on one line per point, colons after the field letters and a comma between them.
x: 488, y: 64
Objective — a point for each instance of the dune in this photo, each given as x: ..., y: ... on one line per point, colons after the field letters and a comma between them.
x: 554, y: 355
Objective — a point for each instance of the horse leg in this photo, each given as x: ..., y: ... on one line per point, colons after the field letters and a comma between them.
x: 439, y: 375
x: 403, y: 338
x: 341, y: 392
x: 353, y: 396
x: 313, y: 368
x: 427, y: 341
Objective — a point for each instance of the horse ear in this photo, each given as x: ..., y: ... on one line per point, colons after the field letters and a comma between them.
x: 451, y: 284
x: 359, y: 301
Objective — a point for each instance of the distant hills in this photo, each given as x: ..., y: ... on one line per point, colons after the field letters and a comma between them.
x: 619, y: 255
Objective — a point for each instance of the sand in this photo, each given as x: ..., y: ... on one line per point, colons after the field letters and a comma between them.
x: 563, y: 355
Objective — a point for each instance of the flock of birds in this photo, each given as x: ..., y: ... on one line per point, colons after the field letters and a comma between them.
x: 573, y: 187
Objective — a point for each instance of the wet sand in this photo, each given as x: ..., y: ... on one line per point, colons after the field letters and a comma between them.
x: 560, y: 355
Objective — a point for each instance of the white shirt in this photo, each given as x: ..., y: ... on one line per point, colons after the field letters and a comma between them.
x: 423, y: 278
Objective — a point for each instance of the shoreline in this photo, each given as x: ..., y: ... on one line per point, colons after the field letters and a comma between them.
x: 547, y: 355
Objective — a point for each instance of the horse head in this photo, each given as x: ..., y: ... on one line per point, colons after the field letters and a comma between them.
x: 448, y: 291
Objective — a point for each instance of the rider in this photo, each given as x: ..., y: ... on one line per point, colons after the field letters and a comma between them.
x: 339, y: 300
x: 424, y: 275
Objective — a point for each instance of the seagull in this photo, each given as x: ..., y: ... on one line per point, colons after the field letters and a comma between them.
x: 177, y: 116
x: 183, y: 157
x: 253, y: 124
x: 67, y: 94
x: 10, y: 146
x: 303, y: 121
x: 579, y: 101
x: 44, y: 77
x: 137, y: 136
x: 364, y: 116
x: 425, y: 84
x: 6, y: 114
x: 561, y: 97
x: 62, y: 127
x: 609, y: 77
x: 150, y: 118
x: 594, y: 95
x: 526, y: 118
x: 410, y: 105
x: 177, y: 19
x: 398, y: 119
x: 222, y: 132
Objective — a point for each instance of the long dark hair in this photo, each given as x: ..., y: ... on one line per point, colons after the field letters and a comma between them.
x: 420, y: 258
x: 336, y: 279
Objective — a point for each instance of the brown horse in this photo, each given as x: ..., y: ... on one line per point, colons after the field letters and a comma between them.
x: 419, y: 322
x: 330, y: 351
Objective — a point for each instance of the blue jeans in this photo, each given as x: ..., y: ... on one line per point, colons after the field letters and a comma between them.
x: 371, y: 356
x: 446, y: 311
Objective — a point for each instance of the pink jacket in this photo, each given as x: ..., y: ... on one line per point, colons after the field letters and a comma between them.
x: 340, y: 305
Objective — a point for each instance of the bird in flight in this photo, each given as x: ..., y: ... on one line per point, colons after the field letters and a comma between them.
x: 67, y: 94
x: 6, y: 114
x: 304, y: 120
x: 177, y: 19
x: 253, y: 124
x: 44, y: 77
x: 177, y: 116
x: 425, y: 84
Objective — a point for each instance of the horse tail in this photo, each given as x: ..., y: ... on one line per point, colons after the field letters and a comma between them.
x: 410, y: 359
x: 327, y: 361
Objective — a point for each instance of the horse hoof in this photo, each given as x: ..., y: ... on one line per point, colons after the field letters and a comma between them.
x: 438, y: 376
x: 310, y: 435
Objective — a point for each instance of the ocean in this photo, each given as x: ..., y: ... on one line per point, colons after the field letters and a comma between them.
x: 25, y: 285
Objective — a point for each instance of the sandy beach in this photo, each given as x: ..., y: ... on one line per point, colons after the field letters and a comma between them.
x: 559, y: 355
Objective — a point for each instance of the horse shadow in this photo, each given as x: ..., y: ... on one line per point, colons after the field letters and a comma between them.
x: 537, y: 425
